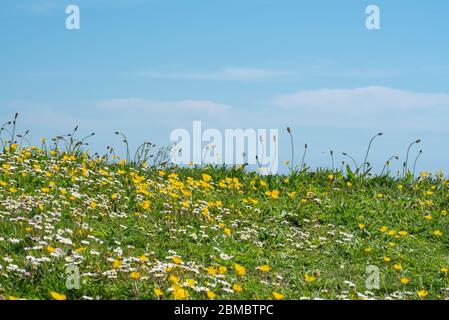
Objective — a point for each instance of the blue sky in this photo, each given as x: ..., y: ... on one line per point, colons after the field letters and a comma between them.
x: 148, y: 67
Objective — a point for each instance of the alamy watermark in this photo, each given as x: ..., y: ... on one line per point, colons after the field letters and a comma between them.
x: 257, y: 147
x: 372, y: 277
x: 372, y: 22
x: 73, y: 20
x: 72, y: 277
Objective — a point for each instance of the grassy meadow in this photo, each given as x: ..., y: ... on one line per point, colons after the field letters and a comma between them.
x: 140, y: 230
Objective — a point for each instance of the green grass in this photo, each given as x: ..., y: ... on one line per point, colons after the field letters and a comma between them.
x: 132, y: 229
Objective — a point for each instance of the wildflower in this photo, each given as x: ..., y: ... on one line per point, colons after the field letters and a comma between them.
x: 237, y: 288
x: 143, y: 258
x: 368, y: 250
x: 309, y: 279
x: 397, y: 267
x: 278, y: 296
x: 422, y: 293
x: 173, y: 279
x: 265, y: 268
x: 444, y: 270
x: 405, y: 280
x: 387, y: 259
x: 177, y: 260
x: 403, y: 233
x: 437, y: 233
x: 190, y: 282
x: 206, y: 177
x: 179, y: 293
x: 158, y: 292
x: 51, y: 249
x: 135, y: 275
x: 212, y: 271
x: 58, y: 296
x: 222, y: 270
x: 211, y: 295
x: 383, y: 229
x: 241, y: 271
x: 227, y: 231
x: 361, y: 226
x: 117, y: 264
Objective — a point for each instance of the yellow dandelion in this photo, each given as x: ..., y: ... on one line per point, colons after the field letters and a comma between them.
x: 58, y: 296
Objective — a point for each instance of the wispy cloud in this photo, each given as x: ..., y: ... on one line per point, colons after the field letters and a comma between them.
x: 367, y: 106
x: 224, y: 74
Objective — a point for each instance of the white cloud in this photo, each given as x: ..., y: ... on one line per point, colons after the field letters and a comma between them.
x: 225, y: 74
x: 368, y: 106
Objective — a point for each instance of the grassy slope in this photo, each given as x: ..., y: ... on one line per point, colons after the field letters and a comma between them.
x: 133, y: 230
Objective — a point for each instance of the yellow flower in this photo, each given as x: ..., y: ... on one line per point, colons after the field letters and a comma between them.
x: 397, y: 267
x: 265, y: 268
x: 222, y: 270
x: 405, y: 280
x: 143, y: 258
x: 361, y: 226
x: 190, y: 282
x: 241, y: 271
x: 387, y: 259
x: 422, y: 293
x: 158, y: 292
x: 177, y: 260
x: 403, y: 233
x: 117, y: 264
x: 58, y: 296
x: 51, y: 249
x: 444, y: 270
x: 206, y: 177
x: 93, y: 204
x: 146, y: 205
x: 45, y: 190
x: 212, y: 271
x: 135, y: 275
x: 227, y: 231
x: 309, y: 279
x: 444, y: 212
x: 173, y: 279
x: 211, y: 295
x: 237, y: 288
x: 12, y: 298
x: 278, y: 296
x: 437, y: 233
x: 179, y: 293
x: 368, y: 250
x: 383, y: 229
